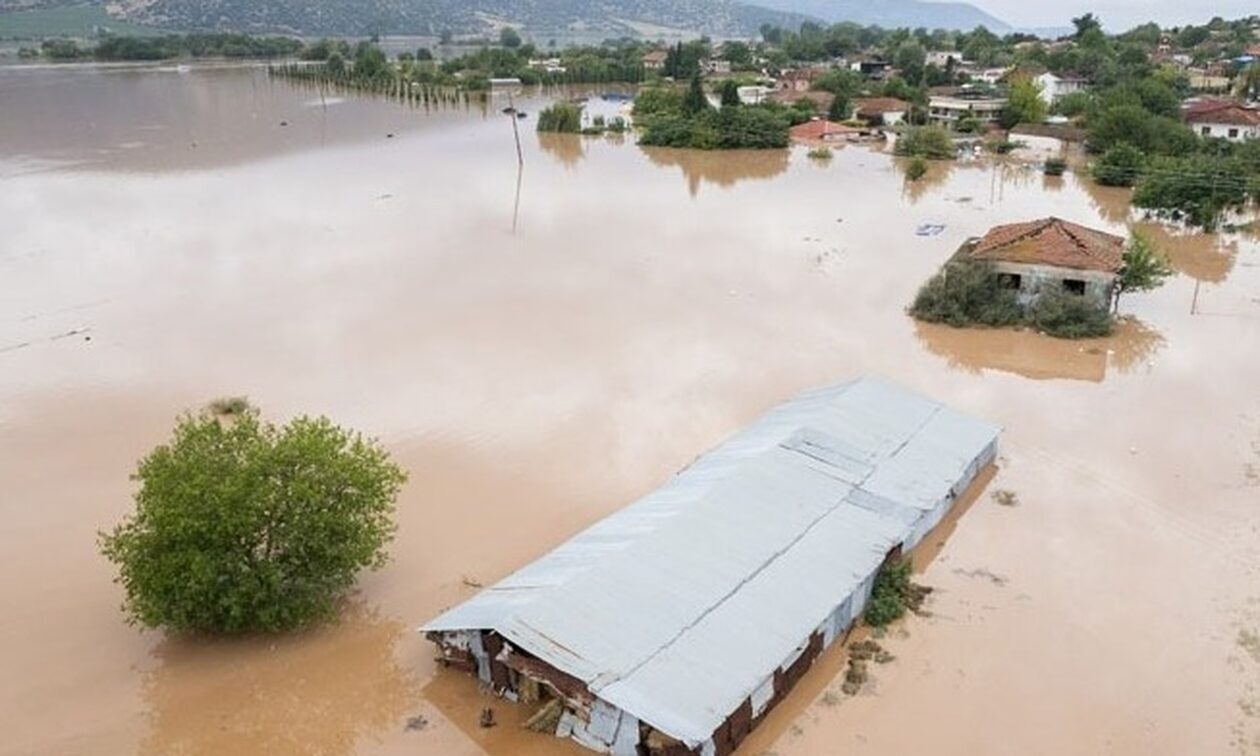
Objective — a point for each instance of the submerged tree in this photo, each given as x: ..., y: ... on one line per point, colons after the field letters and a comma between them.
x: 1144, y: 268
x: 241, y: 526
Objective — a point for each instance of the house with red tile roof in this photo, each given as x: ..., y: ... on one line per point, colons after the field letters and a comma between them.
x: 1223, y: 119
x: 822, y: 130
x: 1051, y: 254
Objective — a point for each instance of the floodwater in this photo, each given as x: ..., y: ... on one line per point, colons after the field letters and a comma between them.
x: 540, y: 349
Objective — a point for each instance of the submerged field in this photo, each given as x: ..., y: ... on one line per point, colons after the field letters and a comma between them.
x: 538, y: 352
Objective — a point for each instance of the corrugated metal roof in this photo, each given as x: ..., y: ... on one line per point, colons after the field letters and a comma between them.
x: 678, y: 606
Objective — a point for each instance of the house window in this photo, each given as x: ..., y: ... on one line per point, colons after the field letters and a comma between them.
x: 1009, y: 280
x: 1074, y: 286
x: 1206, y: 131
x: 1233, y: 133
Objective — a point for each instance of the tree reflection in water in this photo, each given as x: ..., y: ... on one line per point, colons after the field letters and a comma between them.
x: 314, y: 692
x: 719, y: 167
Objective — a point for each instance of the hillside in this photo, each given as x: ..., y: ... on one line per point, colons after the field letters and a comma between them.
x: 361, y: 17
x: 894, y: 13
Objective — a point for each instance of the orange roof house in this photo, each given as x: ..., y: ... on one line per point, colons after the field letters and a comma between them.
x: 1051, y: 254
x: 821, y: 130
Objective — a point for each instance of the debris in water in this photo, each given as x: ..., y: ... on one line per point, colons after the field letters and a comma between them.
x: 547, y: 718
x: 284, y: 123
x: 981, y: 572
x: 389, y: 136
x: 416, y: 723
x: 1006, y: 497
x: 929, y: 229
x: 471, y: 583
x: 1249, y: 641
x: 854, y: 676
x: 869, y: 650
x: 487, y: 717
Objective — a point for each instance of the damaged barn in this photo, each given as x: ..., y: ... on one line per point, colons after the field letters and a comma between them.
x: 674, y: 625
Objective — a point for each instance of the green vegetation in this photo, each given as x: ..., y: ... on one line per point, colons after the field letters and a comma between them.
x: 562, y: 118
x: 1024, y: 105
x: 969, y: 294
x: 820, y: 153
x: 671, y: 119
x: 893, y: 594
x: 1196, y: 190
x: 931, y: 142
x: 1144, y: 268
x: 917, y: 168
x: 1055, y: 167
x: 241, y: 526
x: 1121, y: 165
x: 170, y: 46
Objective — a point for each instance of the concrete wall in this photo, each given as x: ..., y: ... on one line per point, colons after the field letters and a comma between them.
x: 1038, y: 279
x: 1223, y: 131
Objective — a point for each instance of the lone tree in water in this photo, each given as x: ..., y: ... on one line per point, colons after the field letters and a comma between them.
x: 241, y: 526
x: 1143, y: 268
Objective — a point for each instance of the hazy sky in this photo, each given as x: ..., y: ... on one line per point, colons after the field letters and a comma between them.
x: 1117, y: 15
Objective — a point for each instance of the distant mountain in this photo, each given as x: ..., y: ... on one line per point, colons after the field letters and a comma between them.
x: 894, y: 13
x: 650, y: 18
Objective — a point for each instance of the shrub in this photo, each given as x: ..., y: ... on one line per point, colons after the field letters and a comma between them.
x: 917, y: 168
x: 889, y: 595
x: 1121, y: 165
x: 931, y: 142
x: 820, y: 153
x: 656, y: 100
x: 241, y: 526
x: 562, y: 117
x: 1055, y: 167
x: 964, y: 294
x: 1069, y: 316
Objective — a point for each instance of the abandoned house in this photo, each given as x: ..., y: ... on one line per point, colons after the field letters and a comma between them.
x: 1051, y: 254
x: 675, y: 624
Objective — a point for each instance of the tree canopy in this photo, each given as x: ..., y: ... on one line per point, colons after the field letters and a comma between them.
x: 242, y: 526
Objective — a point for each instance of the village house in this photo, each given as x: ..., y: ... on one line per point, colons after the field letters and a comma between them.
x: 675, y: 625
x: 1054, y: 87
x: 872, y: 68
x: 1051, y: 254
x: 941, y: 58
x: 948, y: 106
x: 798, y: 79
x: 716, y: 66
x: 881, y: 111
x: 753, y: 94
x: 984, y: 75
x: 654, y: 60
x: 1223, y: 119
x: 822, y: 131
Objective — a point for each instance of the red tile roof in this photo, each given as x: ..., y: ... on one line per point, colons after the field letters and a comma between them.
x: 881, y: 105
x: 820, y: 129
x: 1222, y: 111
x: 1051, y: 241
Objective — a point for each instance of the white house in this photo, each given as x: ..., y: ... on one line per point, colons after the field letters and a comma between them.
x: 1055, y: 87
x: 941, y: 58
x: 1224, y: 119
x: 948, y: 110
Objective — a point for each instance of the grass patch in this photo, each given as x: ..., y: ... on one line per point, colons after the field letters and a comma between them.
x: 820, y: 153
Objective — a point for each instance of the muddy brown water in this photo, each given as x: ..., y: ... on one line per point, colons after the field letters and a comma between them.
x: 166, y: 241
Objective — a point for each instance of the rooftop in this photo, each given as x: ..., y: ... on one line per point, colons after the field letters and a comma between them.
x: 881, y: 105
x: 677, y: 607
x: 1227, y: 112
x: 1051, y: 241
x: 820, y: 129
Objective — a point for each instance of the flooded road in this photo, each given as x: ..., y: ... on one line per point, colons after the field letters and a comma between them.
x: 538, y: 359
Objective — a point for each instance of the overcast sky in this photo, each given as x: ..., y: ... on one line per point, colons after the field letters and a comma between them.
x: 1117, y: 15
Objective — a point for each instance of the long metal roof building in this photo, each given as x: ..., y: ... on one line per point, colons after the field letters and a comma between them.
x: 678, y: 621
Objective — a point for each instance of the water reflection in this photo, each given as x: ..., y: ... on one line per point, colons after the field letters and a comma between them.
x: 317, y: 692
x: 1040, y: 357
x: 567, y: 149
x: 1111, y: 202
x: 722, y: 168
x: 937, y: 175
x: 1208, y: 258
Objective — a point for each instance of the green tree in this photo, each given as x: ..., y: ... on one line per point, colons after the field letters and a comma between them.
x: 1144, y: 268
x: 241, y: 526
x: 1086, y: 24
x: 840, y: 108
x: 509, y: 38
x: 1024, y: 104
x: 917, y: 168
x: 1122, y: 165
x: 730, y: 94
x: 562, y: 117
x: 695, y: 100
x: 931, y: 142
x: 370, y: 62
x: 1196, y: 190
